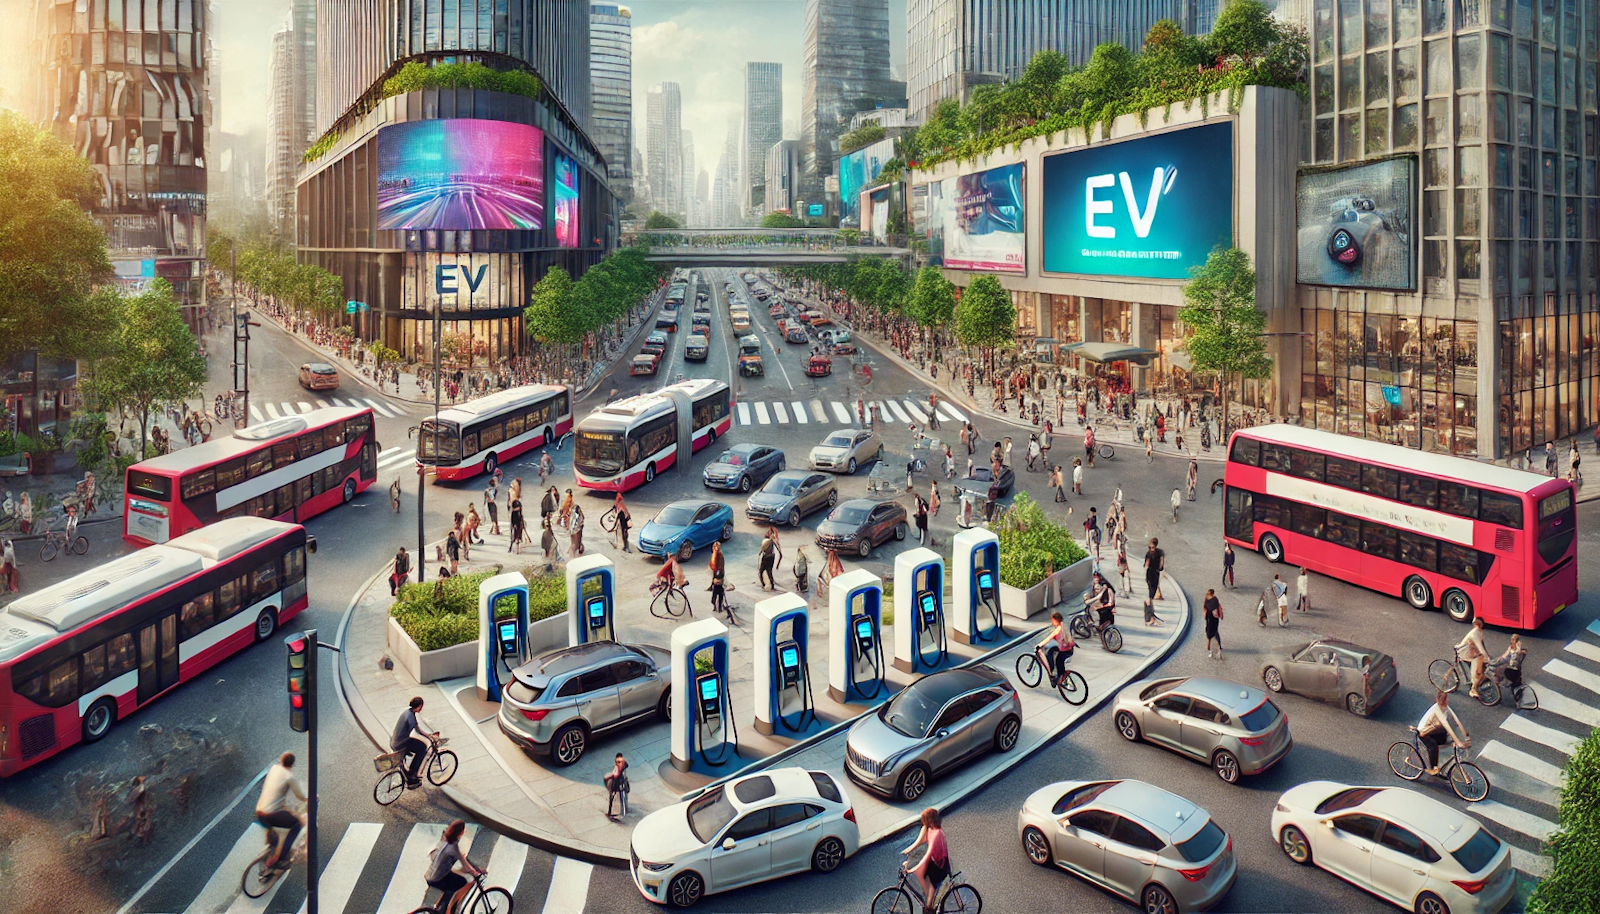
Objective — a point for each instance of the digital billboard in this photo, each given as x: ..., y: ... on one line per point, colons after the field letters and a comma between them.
x: 983, y: 221
x: 1353, y: 225
x: 858, y: 170
x: 1152, y: 207
x: 565, y: 202
x: 460, y: 174
x: 879, y: 201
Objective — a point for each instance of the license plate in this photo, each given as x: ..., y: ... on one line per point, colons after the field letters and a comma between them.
x: 1559, y: 608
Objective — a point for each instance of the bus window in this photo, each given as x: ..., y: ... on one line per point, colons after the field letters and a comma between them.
x: 1419, y: 490
x: 1275, y: 457
x: 1418, y: 550
x: 283, y: 453
x: 1246, y: 451
x: 230, y: 473
x: 1379, y: 481
x: 1306, y: 464
x: 1505, y: 510
x: 1271, y: 511
x: 357, y: 427
x: 1344, y: 472
x: 286, y: 499
x: 308, y: 445
x: 559, y: 406
x: 229, y: 598
x: 1377, y: 540
x: 1343, y: 530
x: 1240, y: 520
x: 333, y: 436
x: 258, y: 463
x: 515, y: 424
x: 1310, y: 520
x: 198, y: 615
x: 203, y: 482
x: 303, y: 489
x: 294, y: 564
x: 1459, y: 500
x: 94, y: 666
x: 150, y: 486
x: 264, y: 581
x: 1458, y: 562
x: 490, y: 435
x: 61, y: 684
x: 469, y: 444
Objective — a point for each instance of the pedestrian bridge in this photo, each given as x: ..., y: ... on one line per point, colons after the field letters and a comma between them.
x: 739, y: 247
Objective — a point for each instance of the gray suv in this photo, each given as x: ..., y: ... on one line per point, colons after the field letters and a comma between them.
x: 933, y: 725
x: 555, y: 702
x: 791, y: 495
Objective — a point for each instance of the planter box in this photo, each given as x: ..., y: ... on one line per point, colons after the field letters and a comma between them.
x: 1058, y: 588
x: 427, y: 666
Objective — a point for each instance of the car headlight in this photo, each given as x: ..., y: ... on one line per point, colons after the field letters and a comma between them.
x: 656, y: 867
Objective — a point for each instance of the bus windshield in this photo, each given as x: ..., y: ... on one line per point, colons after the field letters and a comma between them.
x: 599, y: 453
x: 449, y: 438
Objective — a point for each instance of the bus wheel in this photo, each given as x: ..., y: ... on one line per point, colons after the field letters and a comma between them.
x: 491, y: 461
x: 1272, y: 548
x: 266, y: 624
x: 349, y: 490
x: 649, y: 472
x: 1457, y: 605
x: 97, y: 723
x: 1418, y: 593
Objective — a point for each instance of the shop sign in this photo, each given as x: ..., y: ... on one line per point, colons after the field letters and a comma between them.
x: 462, y: 282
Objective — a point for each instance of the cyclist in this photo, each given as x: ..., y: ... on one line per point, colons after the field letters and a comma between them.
x: 1440, y: 724
x: 1058, y: 646
x: 270, y: 811
x: 403, y: 741
x: 670, y: 575
x: 1471, y: 648
x: 935, y: 865
x: 1104, y: 598
x: 72, y: 525
x: 623, y: 519
x: 1511, y: 662
x: 442, y: 873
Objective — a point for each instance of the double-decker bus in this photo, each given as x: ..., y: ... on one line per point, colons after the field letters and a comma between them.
x: 478, y: 436
x: 79, y: 656
x: 1470, y: 538
x: 625, y: 444
x: 287, y: 469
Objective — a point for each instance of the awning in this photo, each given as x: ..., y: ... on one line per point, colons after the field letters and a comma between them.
x: 1113, y: 352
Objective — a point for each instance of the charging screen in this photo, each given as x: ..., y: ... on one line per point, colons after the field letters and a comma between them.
x: 928, y: 614
x: 597, y: 612
x: 789, y: 657
x: 985, y: 580
x: 507, y: 629
x: 708, y: 689
x: 864, y: 629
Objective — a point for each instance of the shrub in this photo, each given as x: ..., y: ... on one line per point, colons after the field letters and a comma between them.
x: 1573, y: 885
x: 547, y: 594
x: 438, y: 617
x: 1032, y: 546
x: 415, y: 76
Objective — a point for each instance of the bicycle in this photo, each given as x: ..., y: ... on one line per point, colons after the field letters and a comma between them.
x: 259, y: 878
x: 1447, y: 676
x: 55, y: 543
x: 1106, y: 451
x: 608, y: 520
x: 670, y: 602
x: 1031, y: 667
x: 905, y: 897
x: 1466, y: 779
x: 439, y: 766
x: 1083, y: 625
x: 1523, y: 695
x: 478, y: 900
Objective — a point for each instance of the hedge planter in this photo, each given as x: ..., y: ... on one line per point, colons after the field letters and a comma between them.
x: 462, y: 659
x: 1061, y: 587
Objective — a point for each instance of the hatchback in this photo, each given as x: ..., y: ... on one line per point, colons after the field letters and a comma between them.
x: 743, y: 467
x: 791, y: 495
x: 645, y: 363
x: 862, y: 524
x: 319, y: 376
x: 656, y: 342
x: 1133, y: 839
x: 1233, y: 727
x: 556, y: 702
x: 684, y: 526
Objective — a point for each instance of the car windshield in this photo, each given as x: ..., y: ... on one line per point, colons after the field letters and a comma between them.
x: 781, y: 486
x: 847, y: 514
x: 676, y: 515
x: 1477, y: 852
x: 731, y: 459
x: 323, y: 369
x: 838, y: 439
x: 1203, y: 844
x: 909, y: 713
x: 709, y: 813
x: 1259, y: 719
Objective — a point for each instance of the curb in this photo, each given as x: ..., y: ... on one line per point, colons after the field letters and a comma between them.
x: 527, y: 834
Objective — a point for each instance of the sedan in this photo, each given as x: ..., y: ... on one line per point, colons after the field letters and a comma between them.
x: 997, y: 488
x: 860, y: 524
x: 668, y: 320
x: 645, y: 363
x: 845, y: 449
x: 791, y: 495
x: 1359, y: 678
x: 655, y: 343
x: 1402, y: 846
x: 749, y: 830
x: 1234, y: 728
x: 744, y: 466
x: 559, y: 700
x: 797, y: 334
x: 684, y: 526
x: 1133, y: 839
x: 930, y: 727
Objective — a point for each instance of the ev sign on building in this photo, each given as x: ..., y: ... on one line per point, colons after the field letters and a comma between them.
x: 1152, y: 207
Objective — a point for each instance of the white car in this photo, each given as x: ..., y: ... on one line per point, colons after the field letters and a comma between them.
x: 1402, y: 846
x: 749, y: 830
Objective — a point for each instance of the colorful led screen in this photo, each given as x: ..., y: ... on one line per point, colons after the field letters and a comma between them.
x: 566, y: 202
x: 1354, y: 225
x: 460, y: 174
x: 983, y: 222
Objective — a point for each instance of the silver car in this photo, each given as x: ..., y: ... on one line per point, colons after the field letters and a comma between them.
x: 1133, y: 839
x: 557, y: 701
x: 791, y: 495
x: 1233, y: 727
x: 844, y: 449
x: 933, y: 725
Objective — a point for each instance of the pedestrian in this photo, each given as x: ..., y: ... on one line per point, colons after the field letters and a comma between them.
x: 1123, y: 570
x: 911, y: 470
x: 547, y: 467
x: 459, y: 527
x: 1091, y: 527
x: 967, y: 442
x: 1155, y: 562
x: 473, y: 522
x: 617, y: 787
x: 1303, y: 590
x: 452, y: 550
x: 861, y: 412
x: 401, y: 573
x: 1044, y: 443
x: 519, y: 527
x: 1550, y: 458
x: 575, y: 529
x: 624, y: 519
x: 1005, y: 453
x: 921, y: 518
x: 547, y: 540
x: 949, y: 463
x: 1573, y: 476
x: 1227, y: 565
x: 516, y: 488
x: 566, y: 509
x: 933, y: 410
x: 1213, y: 611
x: 8, y: 565
x: 1280, y: 591
x: 1088, y: 444
x: 490, y: 505
x: 25, y: 514
x: 1176, y: 500
x: 1033, y: 449
x: 89, y: 486
x: 1077, y: 476
x: 767, y: 556
x: 1056, y: 483
x: 718, y: 567
x: 933, y: 498
x: 1194, y: 475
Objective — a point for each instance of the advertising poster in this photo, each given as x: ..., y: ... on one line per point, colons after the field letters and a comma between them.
x: 983, y: 223
x: 460, y: 174
x: 932, y: 230
x: 880, y: 214
x: 1353, y: 225
x: 462, y: 282
x: 857, y: 171
x: 1152, y: 207
x: 566, y: 202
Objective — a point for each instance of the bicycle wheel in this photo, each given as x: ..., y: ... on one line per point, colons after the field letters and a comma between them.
x: 1443, y: 675
x: 1111, y: 638
x: 1469, y: 782
x: 390, y: 787
x: 257, y: 879
x: 48, y: 549
x: 1080, y: 626
x: 1405, y: 761
x: 1073, y: 688
x: 608, y: 521
x: 80, y: 545
x: 1028, y: 669
x: 963, y: 898
x: 678, y: 603
x: 442, y: 767
x: 1489, y: 692
x: 1107, y: 452
x: 892, y: 900
x: 1526, y: 698
x: 493, y: 901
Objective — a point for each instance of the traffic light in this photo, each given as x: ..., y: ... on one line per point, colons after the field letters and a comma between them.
x: 302, y: 678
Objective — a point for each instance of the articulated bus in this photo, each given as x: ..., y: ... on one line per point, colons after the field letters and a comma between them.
x: 1471, y: 538
x: 478, y: 436
x: 79, y: 656
x: 625, y: 444
x: 287, y: 469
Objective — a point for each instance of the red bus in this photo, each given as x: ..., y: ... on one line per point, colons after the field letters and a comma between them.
x: 1467, y: 537
x: 77, y: 657
x: 287, y: 469
x: 625, y: 444
x: 478, y: 436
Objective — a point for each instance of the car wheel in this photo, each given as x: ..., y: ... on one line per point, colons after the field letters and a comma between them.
x: 97, y: 723
x: 489, y: 464
x: 649, y: 472
x: 1418, y: 593
x: 1005, y: 735
x: 570, y: 741
x: 266, y: 624
x: 1127, y: 726
x: 685, y: 890
x: 1226, y: 765
x: 833, y: 499
x: 664, y: 705
x: 827, y: 856
x: 1294, y: 845
x: 913, y: 783
x: 794, y: 517
x: 1272, y: 548
x: 744, y: 483
x: 865, y: 549
x: 1355, y: 704
x: 1272, y: 678
x: 686, y: 551
x: 1157, y: 900
x: 1036, y: 846
x: 851, y: 469
x: 1457, y: 605
x: 727, y: 531
x: 900, y: 531
x: 1429, y: 903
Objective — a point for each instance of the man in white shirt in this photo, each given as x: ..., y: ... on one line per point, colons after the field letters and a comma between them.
x: 270, y: 811
x: 1437, y: 726
x: 1471, y: 648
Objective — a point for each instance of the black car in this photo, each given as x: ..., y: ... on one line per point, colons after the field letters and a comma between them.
x: 744, y: 467
x: 998, y: 488
x: 860, y: 524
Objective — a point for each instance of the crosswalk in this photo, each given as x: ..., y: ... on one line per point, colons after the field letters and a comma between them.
x: 802, y: 412
x: 380, y: 869
x: 389, y: 458
x: 261, y: 412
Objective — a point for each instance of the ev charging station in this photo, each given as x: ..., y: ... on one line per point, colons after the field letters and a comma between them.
x: 855, y: 636
x: 977, y: 587
x: 782, y: 666
x: 920, y: 641
x: 703, y: 729
x: 591, y: 600
x: 502, y: 644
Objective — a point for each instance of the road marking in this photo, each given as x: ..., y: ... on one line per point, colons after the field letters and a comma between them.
x: 1535, y: 865
x: 255, y: 413
x: 396, y: 459
x: 506, y: 863
x: 224, y: 883
x: 1517, y: 760
x: 304, y: 406
x: 182, y: 854
x: 272, y: 410
x: 780, y: 412
x: 408, y: 888
x: 1558, y: 703
x: 761, y: 413
x: 912, y: 408
x: 323, y: 403
x: 841, y: 412
x: 799, y: 410
x: 1539, y: 733
x: 899, y: 413
x: 382, y: 409
x: 569, y: 887
x: 1584, y: 649
x: 344, y: 868
x: 818, y: 411
x: 952, y: 412
x: 744, y: 413
x: 1565, y: 670
x: 1515, y: 819
x: 339, y: 403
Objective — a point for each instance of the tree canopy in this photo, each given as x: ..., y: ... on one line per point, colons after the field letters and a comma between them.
x: 149, y: 357
x: 933, y: 299
x: 781, y: 221
x: 985, y: 317
x: 1225, y: 330
x: 659, y: 220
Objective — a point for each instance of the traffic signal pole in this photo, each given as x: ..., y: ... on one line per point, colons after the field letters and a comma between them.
x: 303, y: 718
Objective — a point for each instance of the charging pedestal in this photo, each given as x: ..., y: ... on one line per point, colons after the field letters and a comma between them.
x: 977, y: 587
x: 503, y: 644
x: 591, y: 600
x: 783, y: 666
x: 855, y: 637
x: 920, y: 642
x: 702, y: 716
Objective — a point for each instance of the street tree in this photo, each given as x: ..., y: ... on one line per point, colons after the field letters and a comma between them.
x: 781, y: 221
x: 985, y: 318
x: 894, y: 286
x: 1225, y: 331
x: 932, y: 302
x: 659, y: 220
x: 1573, y: 885
x: 150, y: 357
x: 549, y: 315
x: 383, y: 354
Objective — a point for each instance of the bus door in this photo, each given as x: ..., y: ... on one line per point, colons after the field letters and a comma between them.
x: 1239, y: 519
x: 158, y: 657
x: 369, y: 460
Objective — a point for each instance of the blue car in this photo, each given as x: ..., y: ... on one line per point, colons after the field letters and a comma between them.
x: 684, y: 526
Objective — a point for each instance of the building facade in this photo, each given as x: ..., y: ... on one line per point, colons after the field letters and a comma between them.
x: 283, y: 119
x: 611, y: 91
x: 663, y: 144
x: 845, y: 69
x: 783, y: 177
x: 303, y: 22
x: 763, y: 126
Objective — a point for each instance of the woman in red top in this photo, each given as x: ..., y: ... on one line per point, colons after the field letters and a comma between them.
x: 935, y: 865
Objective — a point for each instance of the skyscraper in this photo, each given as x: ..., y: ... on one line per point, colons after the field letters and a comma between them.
x: 303, y: 21
x: 689, y: 214
x: 663, y: 126
x: 284, y: 144
x: 783, y: 176
x: 763, y: 126
x: 611, y: 91
x: 846, y: 69
x: 954, y: 45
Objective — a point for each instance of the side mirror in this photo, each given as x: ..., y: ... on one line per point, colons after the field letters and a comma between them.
x: 728, y: 844
x: 941, y: 734
x: 311, y: 544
